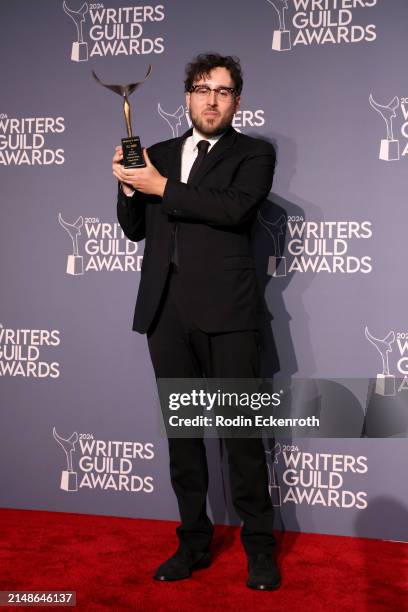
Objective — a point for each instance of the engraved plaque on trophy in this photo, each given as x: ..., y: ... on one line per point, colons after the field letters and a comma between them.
x: 131, y: 147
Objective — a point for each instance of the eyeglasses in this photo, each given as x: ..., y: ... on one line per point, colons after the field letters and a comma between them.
x: 203, y: 91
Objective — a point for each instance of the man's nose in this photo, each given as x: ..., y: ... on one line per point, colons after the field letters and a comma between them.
x: 213, y: 97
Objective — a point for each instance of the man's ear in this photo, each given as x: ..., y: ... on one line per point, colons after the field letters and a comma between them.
x: 237, y: 102
x: 188, y: 100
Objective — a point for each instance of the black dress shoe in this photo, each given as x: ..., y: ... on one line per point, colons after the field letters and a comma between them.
x: 263, y: 573
x: 182, y: 564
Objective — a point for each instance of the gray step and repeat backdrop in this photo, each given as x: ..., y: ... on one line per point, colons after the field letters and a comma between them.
x: 326, y: 82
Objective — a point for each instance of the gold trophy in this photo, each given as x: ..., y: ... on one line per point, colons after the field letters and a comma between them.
x: 131, y: 147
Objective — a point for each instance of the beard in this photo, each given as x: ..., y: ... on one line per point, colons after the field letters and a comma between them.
x: 211, y: 126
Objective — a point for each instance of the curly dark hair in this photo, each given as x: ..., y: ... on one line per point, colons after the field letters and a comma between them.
x: 205, y: 62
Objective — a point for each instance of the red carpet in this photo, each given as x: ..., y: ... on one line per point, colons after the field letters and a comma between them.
x: 109, y: 561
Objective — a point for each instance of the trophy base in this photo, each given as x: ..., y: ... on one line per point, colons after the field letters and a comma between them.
x: 389, y: 150
x: 281, y: 40
x: 277, y: 266
x: 69, y: 481
x: 132, y: 153
x: 385, y: 384
x: 75, y: 265
x: 79, y: 52
x: 274, y: 492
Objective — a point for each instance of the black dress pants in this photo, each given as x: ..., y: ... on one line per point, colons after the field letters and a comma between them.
x: 179, y: 350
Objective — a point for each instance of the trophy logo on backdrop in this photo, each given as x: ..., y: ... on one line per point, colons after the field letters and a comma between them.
x: 69, y: 478
x: 25, y: 353
x: 276, y: 262
x: 385, y: 383
x: 314, y: 246
x: 309, y: 478
x: 306, y: 23
x: 107, y: 465
x: 394, y: 113
x: 75, y: 261
x: 274, y: 488
x: 395, y: 343
x: 173, y: 119
x: 104, y: 245
x: 281, y: 38
x: 31, y: 140
x: 103, y: 31
x: 79, y: 52
x: 389, y: 147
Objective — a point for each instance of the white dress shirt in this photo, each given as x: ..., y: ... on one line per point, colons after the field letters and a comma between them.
x: 190, y: 152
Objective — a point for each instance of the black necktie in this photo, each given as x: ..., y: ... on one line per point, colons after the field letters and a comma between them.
x: 202, y: 147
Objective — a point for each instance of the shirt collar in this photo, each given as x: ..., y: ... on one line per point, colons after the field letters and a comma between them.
x: 196, y: 137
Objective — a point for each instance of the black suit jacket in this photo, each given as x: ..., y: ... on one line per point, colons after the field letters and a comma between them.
x: 213, y: 215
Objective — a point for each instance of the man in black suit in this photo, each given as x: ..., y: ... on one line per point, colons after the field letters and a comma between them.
x: 198, y: 299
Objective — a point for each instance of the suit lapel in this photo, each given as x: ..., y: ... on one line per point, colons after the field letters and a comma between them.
x: 217, y: 152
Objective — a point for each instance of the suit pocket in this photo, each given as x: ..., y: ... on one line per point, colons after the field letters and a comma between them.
x: 238, y: 263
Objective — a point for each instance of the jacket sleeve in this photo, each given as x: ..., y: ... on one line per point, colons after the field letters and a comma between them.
x: 131, y: 213
x: 230, y: 206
